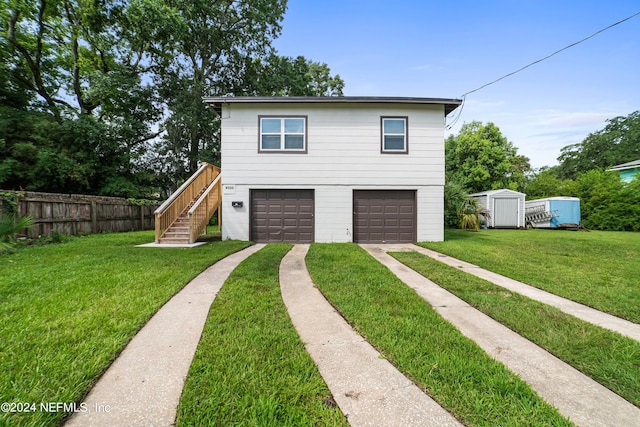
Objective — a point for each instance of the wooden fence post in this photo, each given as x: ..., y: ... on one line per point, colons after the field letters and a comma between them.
x: 94, y: 216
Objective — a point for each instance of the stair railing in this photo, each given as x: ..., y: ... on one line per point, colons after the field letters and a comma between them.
x: 171, y: 209
x: 204, y: 208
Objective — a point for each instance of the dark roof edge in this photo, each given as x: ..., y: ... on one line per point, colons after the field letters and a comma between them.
x: 217, y: 101
x: 629, y: 165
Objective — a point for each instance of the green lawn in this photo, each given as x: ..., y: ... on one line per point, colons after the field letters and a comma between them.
x: 251, y: 367
x: 68, y: 309
x: 598, y: 268
x: 420, y: 343
x: 609, y: 358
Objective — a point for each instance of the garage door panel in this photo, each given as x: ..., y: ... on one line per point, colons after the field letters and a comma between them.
x: 384, y: 216
x: 393, y: 210
x: 376, y: 236
x: 373, y: 222
x: 376, y: 209
x: 282, y: 216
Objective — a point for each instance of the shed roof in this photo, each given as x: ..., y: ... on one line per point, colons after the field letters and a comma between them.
x: 624, y: 166
x: 217, y: 101
x: 565, y: 198
x: 493, y: 192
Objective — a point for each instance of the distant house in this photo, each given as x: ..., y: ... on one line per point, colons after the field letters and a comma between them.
x: 332, y: 169
x: 627, y: 171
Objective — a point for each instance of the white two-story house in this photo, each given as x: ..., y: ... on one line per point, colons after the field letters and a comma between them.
x: 332, y: 169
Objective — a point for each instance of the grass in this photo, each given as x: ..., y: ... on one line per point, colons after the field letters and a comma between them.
x: 597, y: 268
x: 251, y: 367
x: 419, y: 342
x: 68, y: 310
x: 607, y: 357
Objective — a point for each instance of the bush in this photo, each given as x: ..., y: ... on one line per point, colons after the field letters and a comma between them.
x: 607, y: 203
x: 10, y: 225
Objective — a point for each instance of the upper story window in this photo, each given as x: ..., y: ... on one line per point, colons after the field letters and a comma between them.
x: 287, y: 134
x: 394, y: 135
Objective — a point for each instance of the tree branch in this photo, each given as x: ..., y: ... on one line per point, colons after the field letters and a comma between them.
x: 34, y: 66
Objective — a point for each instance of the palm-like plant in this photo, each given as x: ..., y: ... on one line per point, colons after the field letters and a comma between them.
x: 9, y: 226
x: 470, y: 213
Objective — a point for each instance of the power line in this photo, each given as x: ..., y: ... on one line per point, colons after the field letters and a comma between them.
x: 549, y: 56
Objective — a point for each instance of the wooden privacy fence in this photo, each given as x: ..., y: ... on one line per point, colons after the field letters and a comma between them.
x: 76, y: 214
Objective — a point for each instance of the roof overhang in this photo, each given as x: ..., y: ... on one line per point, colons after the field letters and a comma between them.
x: 217, y: 101
x: 625, y: 166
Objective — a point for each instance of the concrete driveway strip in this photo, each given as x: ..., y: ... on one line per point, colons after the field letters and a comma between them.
x: 583, y: 312
x: 143, y: 386
x: 368, y: 389
x: 584, y: 401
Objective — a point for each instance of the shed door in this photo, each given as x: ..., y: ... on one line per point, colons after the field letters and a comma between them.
x: 505, y: 212
x: 282, y: 216
x: 384, y: 216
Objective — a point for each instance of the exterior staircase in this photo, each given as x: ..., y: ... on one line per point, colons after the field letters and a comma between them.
x: 186, y: 213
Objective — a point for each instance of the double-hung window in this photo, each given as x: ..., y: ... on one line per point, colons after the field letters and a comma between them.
x: 286, y: 134
x: 395, y: 138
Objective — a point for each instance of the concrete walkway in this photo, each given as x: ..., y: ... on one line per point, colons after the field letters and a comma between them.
x: 584, y: 401
x: 583, y: 312
x: 368, y: 389
x: 143, y: 386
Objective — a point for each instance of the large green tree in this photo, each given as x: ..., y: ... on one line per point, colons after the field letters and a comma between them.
x: 546, y: 182
x: 288, y: 76
x: 77, y: 114
x: 617, y: 143
x: 480, y: 158
x: 106, y: 97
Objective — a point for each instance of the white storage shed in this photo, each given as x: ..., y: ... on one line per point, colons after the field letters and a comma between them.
x: 505, y: 206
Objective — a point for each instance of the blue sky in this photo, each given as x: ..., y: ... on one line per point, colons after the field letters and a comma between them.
x: 444, y: 49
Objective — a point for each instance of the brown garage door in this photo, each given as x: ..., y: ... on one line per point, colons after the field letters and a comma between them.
x: 282, y: 216
x: 384, y: 216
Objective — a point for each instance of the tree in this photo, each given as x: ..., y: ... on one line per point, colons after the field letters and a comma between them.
x: 222, y: 48
x: 78, y: 112
x: 607, y: 203
x: 454, y: 196
x: 470, y: 213
x: 287, y: 76
x: 481, y: 158
x: 106, y: 97
x: 208, y: 53
x: 547, y: 183
x: 618, y: 142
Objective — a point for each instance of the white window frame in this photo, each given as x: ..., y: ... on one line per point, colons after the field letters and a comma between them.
x: 282, y: 135
x: 405, y: 135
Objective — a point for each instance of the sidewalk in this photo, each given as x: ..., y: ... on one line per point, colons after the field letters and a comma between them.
x: 367, y: 388
x: 143, y: 386
x: 583, y: 400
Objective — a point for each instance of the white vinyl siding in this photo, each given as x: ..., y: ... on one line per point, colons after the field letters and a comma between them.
x: 334, y: 211
x: 342, y: 146
x: 342, y: 153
